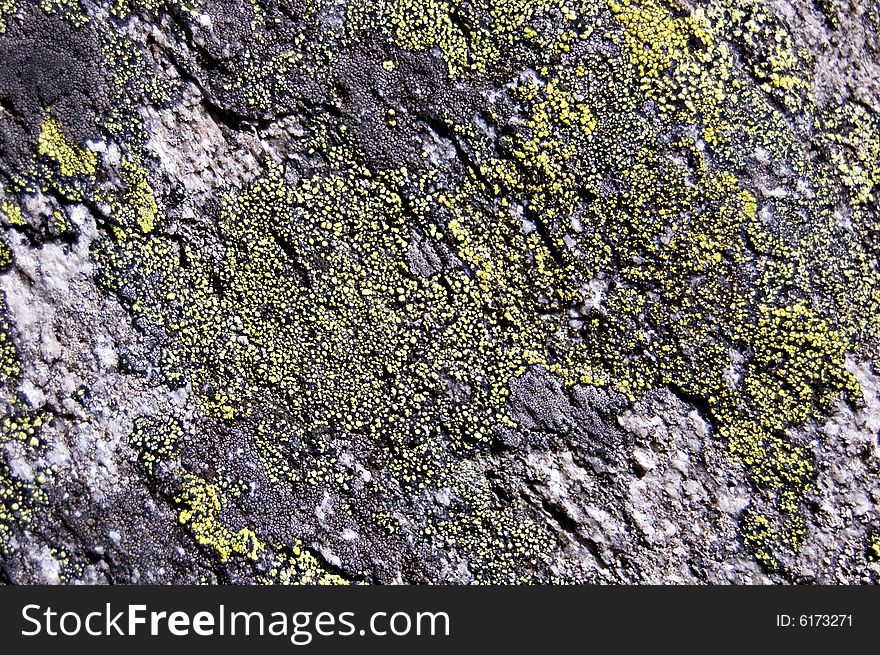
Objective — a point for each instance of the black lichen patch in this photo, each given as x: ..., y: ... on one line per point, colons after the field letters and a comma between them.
x: 48, y: 62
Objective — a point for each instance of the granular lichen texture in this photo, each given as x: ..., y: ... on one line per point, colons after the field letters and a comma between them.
x: 421, y: 291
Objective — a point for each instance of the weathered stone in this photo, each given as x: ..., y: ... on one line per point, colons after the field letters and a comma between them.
x: 418, y: 291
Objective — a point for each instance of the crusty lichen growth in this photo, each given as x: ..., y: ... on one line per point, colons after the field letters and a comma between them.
x: 874, y: 547
x: 829, y: 9
x: 759, y: 537
x: 63, y: 168
x: 71, y: 160
x: 337, y: 327
x: 156, y: 442
x: 200, y: 510
x: 852, y: 135
x: 295, y: 565
x: 124, y: 8
x: 7, y: 8
x: 134, y: 83
x: 5, y: 253
x: 199, y: 503
x: 21, y: 493
x: 12, y: 214
x: 615, y: 147
x: 134, y: 207
x: 71, y: 10
x: 9, y: 364
x: 495, y: 542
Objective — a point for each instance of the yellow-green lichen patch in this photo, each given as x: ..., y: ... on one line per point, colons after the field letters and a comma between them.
x: 71, y: 10
x: 12, y: 214
x: 200, y: 508
x: 681, y: 64
x: 781, y: 66
x: 759, y: 536
x: 59, y: 224
x: 134, y: 208
x: 319, y: 313
x: 20, y: 495
x: 852, y: 135
x: 10, y: 367
x: 156, y: 442
x: 5, y: 253
x: 294, y: 565
x: 7, y: 8
x: 472, y: 37
x: 687, y: 280
x: 70, y: 158
x: 798, y: 366
x: 124, y: 8
x: 829, y: 10
x: 63, y: 168
x: 133, y: 82
x: 320, y: 310
x: 874, y: 547
x: 22, y: 424
x: 70, y: 570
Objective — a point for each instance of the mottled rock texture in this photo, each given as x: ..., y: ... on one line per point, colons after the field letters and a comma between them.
x: 408, y: 291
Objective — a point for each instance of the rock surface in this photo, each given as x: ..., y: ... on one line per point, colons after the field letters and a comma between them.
x: 523, y: 291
